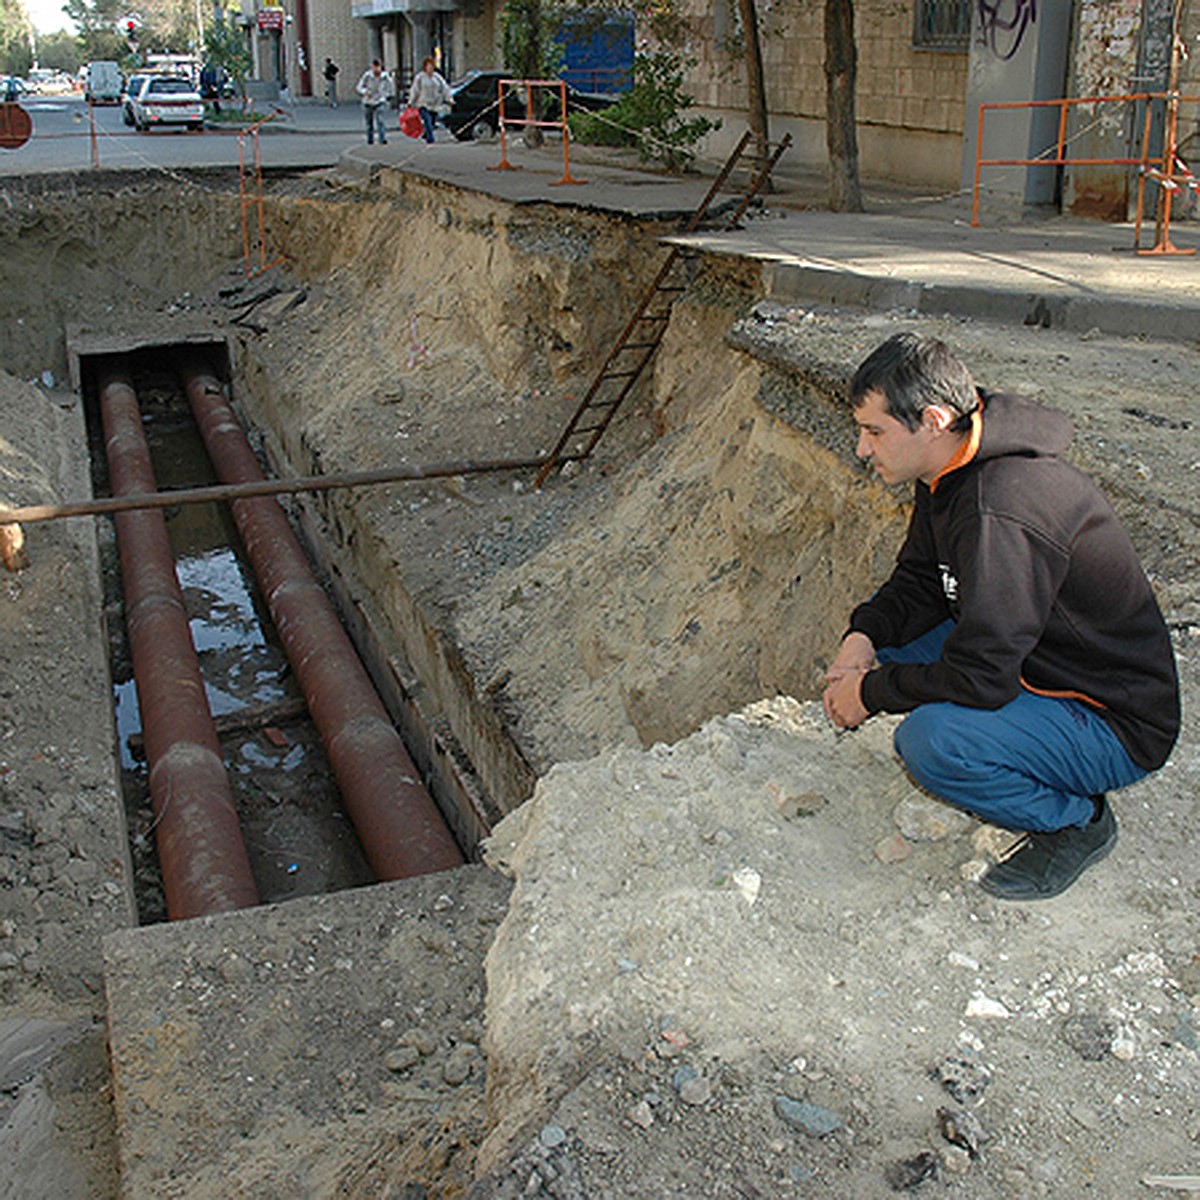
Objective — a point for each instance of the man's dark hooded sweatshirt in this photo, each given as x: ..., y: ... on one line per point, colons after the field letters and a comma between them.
x: 1026, y: 556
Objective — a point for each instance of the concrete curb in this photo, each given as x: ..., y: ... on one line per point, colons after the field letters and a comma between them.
x: 792, y: 282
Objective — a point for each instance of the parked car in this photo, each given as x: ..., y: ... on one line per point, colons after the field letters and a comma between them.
x: 475, y: 113
x: 167, y: 100
x: 48, y: 82
x: 129, y: 92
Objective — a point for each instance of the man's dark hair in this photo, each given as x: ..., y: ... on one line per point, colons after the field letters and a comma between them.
x: 914, y: 372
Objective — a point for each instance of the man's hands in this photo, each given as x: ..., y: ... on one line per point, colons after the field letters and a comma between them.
x: 842, y: 697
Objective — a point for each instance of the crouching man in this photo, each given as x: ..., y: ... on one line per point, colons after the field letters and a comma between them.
x: 1017, y: 630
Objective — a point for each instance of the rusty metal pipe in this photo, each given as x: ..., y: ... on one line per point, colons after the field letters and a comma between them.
x: 204, y: 862
x: 399, y: 825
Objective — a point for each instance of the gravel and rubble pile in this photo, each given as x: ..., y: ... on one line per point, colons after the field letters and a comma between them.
x: 748, y: 999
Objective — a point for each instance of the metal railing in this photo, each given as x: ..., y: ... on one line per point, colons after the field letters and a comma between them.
x: 1167, y: 169
x: 529, y: 121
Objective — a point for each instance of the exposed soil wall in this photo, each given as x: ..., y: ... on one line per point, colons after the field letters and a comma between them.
x: 546, y: 633
x: 107, y: 247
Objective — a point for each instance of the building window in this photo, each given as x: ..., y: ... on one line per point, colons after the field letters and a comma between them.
x: 942, y: 24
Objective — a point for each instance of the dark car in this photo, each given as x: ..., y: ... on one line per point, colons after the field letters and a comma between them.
x: 475, y: 113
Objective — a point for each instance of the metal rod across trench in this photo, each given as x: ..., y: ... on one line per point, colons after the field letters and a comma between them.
x: 106, y: 505
x: 399, y: 825
x: 204, y: 862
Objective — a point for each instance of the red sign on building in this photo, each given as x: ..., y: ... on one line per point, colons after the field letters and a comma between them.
x: 270, y: 18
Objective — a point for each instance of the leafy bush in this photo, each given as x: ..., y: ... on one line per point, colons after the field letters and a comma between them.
x: 650, y: 115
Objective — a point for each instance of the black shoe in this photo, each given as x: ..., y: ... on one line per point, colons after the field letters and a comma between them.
x: 1042, y: 865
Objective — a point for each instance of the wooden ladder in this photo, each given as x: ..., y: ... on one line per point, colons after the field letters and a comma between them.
x: 644, y: 332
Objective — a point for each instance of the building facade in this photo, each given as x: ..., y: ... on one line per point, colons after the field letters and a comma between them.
x: 924, y: 67
x: 291, y: 39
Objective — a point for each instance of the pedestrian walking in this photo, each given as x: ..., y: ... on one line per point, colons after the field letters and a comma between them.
x: 331, y: 74
x: 375, y: 88
x: 210, y: 87
x: 430, y: 96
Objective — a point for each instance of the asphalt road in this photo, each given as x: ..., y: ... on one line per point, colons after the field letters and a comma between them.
x: 306, y: 135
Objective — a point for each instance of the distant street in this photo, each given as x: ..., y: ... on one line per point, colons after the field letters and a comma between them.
x: 306, y: 135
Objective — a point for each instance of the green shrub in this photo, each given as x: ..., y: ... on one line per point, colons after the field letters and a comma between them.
x: 650, y: 115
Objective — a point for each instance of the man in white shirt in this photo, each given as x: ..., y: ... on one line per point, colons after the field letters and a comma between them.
x: 375, y: 88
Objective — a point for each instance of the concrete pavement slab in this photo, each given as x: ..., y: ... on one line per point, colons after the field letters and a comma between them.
x: 1058, y: 273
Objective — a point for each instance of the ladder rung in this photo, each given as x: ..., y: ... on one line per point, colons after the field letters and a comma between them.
x: 585, y: 429
x: 635, y: 346
x: 619, y: 374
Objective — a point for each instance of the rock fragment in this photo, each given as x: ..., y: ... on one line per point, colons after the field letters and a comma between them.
x: 965, y: 1080
x: 812, y: 1119
x: 961, y: 1128
x: 907, y: 1173
x: 402, y: 1058
x: 1088, y: 1035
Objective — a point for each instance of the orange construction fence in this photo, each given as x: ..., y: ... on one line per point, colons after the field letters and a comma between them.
x: 1168, y: 170
x: 252, y: 201
x: 529, y: 122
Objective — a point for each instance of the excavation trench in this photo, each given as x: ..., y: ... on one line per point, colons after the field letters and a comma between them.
x: 261, y: 578
x: 702, y: 561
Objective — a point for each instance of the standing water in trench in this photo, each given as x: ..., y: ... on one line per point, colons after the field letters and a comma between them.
x: 299, y: 840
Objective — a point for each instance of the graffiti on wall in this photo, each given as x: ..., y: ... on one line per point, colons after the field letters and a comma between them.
x: 1003, y: 24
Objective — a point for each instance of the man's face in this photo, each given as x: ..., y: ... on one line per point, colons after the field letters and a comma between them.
x: 898, y: 454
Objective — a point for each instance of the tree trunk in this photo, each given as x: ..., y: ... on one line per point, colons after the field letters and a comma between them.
x: 841, y: 67
x: 756, y: 88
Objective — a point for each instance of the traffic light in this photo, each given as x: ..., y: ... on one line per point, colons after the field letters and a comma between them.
x: 131, y: 29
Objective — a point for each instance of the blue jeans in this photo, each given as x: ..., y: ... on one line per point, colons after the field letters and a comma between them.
x: 427, y: 119
x: 1031, y: 764
x: 376, y: 115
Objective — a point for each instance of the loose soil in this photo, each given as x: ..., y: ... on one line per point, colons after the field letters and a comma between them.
x: 743, y: 956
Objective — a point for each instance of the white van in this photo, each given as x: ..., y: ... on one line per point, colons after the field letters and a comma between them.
x: 103, y: 82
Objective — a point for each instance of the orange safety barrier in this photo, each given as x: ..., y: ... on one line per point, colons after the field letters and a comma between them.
x: 529, y: 121
x: 1172, y: 172
x: 253, y: 201
x: 92, y: 133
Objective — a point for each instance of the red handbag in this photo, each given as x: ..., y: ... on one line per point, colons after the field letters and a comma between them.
x: 411, y: 123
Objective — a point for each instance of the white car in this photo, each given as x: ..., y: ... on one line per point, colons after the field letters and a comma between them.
x: 167, y: 100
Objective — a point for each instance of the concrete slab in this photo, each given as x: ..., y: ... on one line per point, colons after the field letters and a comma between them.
x: 1058, y: 273
x: 612, y: 183
x: 284, y: 1050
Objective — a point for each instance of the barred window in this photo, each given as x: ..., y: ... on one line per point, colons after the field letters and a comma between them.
x: 942, y: 24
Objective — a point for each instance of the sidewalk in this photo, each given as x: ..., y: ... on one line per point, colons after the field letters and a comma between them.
x: 907, y: 251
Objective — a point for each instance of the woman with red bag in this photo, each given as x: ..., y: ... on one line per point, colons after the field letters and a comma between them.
x: 430, y: 96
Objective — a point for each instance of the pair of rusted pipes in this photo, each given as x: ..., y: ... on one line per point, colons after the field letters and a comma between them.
x: 204, y: 861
